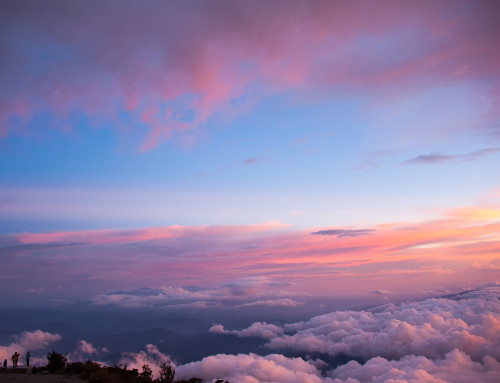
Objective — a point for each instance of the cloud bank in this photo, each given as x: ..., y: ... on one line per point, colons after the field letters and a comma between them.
x: 455, y: 367
x: 453, y: 339
x: 429, y: 328
x: 448, y: 339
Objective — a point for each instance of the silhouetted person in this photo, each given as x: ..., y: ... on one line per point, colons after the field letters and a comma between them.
x: 28, y: 356
x: 5, y: 365
x: 15, y: 358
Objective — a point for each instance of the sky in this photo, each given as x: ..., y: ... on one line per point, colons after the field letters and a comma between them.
x: 248, y: 154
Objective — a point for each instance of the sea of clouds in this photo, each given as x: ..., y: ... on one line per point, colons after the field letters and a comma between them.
x: 449, y: 339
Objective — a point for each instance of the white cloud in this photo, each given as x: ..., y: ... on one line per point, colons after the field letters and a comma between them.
x: 453, y: 339
x: 251, y: 368
x: 456, y: 367
x: 431, y: 328
x: 241, y: 368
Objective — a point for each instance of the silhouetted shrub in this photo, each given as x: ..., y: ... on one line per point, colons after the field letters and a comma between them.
x: 75, y: 368
x: 89, y: 368
x: 94, y: 373
x: 192, y: 380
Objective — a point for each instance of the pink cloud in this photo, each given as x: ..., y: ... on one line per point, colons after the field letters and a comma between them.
x: 146, y: 234
x: 285, y: 302
x: 28, y: 341
x: 264, y: 264
x: 85, y: 350
x: 130, y: 58
x: 151, y: 356
x: 251, y: 368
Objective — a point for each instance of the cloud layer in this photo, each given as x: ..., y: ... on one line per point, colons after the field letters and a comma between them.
x: 456, y: 366
x: 449, y: 339
x: 430, y: 328
x: 454, y: 339
x: 128, y: 65
x: 259, y: 265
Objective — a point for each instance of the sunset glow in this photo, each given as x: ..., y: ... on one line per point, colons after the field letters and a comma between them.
x: 214, y: 157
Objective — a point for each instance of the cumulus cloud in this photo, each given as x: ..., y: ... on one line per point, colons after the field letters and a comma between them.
x: 258, y: 329
x: 36, y: 339
x: 85, y: 350
x: 456, y: 367
x: 29, y: 341
x: 86, y: 347
x: 450, y: 339
x: 241, y: 368
x: 469, y: 322
x: 430, y: 328
x: 251, y: 368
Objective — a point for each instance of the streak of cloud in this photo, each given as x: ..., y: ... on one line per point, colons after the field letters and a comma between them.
x: 439, y: 158
x: 341, y: 233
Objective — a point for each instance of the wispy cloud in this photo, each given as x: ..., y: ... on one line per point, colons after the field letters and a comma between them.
x: 252, y: 161
x: 255, y: 263
x: 340, y: 233
x: 171, y: 89
x: 439, y: 158
x: 272, y: 303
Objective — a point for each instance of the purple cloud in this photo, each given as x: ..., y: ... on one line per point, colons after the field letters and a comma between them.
x: 251, y: 161
x: 342, y: 233
x: 438, y: 158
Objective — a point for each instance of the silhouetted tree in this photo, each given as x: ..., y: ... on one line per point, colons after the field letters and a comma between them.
x: 147, y: 373
x: 55, y: 361
x: 167, y: 373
